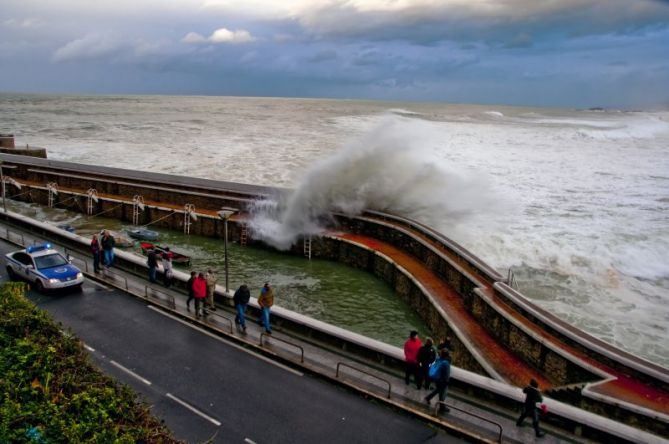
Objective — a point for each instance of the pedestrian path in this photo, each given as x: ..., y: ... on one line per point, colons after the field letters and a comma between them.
x: 336, y: 365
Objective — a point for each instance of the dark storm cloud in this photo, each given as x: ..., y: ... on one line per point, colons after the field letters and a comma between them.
x: 464, y: 50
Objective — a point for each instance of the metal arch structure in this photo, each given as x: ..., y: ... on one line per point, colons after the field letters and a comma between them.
x: 52, y: 188
x: 137, y: 207
x: 189, y: 217
x: 92, y: 199
x: 7, y: 180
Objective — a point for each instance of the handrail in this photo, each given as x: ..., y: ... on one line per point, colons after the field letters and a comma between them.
x: 8, y: 236
x: 107, y: 271
x: 209, y: 312
x: 170, y: 298
x: 79, y: 260
x: 367, y: 373
x: 263, y: 334
x: 436, y: 407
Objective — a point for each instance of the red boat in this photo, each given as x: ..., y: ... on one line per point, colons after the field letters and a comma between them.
x: 177, y: 258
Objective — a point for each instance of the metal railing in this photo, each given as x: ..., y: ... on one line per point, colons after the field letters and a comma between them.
x: 170, y: 298
x: 511, y: 279
x: 499, y: 426
x: 339, y: 364
x: 225, y: 318
x: 264, y: 334
x: 8, y: 234
x: 107, y: 272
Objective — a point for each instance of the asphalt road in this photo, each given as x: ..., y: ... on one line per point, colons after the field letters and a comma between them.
x: 203, y: 386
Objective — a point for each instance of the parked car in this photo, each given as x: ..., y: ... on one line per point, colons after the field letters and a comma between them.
x: 43, y: 267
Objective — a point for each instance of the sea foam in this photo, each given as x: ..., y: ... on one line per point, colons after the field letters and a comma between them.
x: 393, y: 168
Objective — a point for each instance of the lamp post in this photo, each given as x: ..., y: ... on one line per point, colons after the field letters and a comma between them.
x: 2, y: 179
x: 226, y: 213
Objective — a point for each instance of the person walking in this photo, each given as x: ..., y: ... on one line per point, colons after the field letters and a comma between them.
x: 152, y: 262
x: 95, y: 251
x: 241, y: 299
x: 266, y: 300
x: 211, y: 289
x: 189, y: 287
x: 532, y: 397
x: 411, y: 347
x: 108, y: 244
x: 168, y: 273
x: 440, y: 372
x: 426, y: 356
x: 200, y: 293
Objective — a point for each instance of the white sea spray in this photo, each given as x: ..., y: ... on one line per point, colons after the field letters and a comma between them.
x: 392, y: 168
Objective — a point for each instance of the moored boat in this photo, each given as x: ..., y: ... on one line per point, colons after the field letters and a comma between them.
x: 177, y: 258
x: 143, y: 234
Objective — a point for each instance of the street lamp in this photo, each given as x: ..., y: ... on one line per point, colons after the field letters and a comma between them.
x: 226, y: 213
x: 2, y: 178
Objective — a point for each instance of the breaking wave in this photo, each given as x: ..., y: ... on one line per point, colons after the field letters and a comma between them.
x: 393, y: 168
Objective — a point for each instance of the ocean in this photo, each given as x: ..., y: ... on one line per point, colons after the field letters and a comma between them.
x: 574, y: 202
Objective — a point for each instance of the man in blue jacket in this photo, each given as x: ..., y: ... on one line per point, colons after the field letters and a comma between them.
x: 440, y: 374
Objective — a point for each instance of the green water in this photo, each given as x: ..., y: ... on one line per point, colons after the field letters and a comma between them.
x: 328, y: 291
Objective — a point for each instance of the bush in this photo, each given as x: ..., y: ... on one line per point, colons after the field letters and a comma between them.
x: 51, y: 392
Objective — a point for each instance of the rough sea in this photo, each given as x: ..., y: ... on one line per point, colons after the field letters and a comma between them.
x: 574, y: 202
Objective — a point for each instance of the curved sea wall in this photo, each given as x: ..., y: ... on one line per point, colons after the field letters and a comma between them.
x: 566, y: 358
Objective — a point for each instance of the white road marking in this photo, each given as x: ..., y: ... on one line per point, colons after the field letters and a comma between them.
x: 89, y: 348
x: 193, y: 409
x: 130, y: 372
x: 256, y: 355
x: 246, y: 440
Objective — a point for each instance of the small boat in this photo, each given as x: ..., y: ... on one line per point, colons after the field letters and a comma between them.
x: 143, y: 234
x: 177, y: 258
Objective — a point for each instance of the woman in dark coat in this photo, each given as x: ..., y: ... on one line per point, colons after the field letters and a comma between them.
x: 426, y: 356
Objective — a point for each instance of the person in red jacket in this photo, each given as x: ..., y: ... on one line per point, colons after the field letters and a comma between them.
x: 411, y: 347
x: 199, y: 293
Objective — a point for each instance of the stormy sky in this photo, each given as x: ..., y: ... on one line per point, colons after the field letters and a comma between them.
x: 571, y: 53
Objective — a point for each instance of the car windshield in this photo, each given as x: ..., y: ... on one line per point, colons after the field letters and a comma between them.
x: 50, y: 260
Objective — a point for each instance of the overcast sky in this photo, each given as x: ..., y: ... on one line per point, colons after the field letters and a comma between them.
x: 573, y: 53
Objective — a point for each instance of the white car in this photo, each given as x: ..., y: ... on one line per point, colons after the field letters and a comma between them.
x: 43, y: 267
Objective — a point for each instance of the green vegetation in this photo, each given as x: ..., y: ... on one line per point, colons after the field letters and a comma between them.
x: 51, y: 393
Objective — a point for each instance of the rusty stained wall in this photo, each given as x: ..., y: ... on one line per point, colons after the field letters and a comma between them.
x: 554, y: 366
x: 558, y: 369
x: 352, y: 255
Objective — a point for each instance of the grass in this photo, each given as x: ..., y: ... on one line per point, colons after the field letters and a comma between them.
x: 52, y: 393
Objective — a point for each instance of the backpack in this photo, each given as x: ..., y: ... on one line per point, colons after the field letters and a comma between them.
x: 435, y: 369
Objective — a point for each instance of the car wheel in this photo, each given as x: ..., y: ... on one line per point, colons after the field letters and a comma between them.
x: 39, y: 286
x: 10, y: 273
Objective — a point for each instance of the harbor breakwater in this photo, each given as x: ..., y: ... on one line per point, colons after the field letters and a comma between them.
x: 495, y: 331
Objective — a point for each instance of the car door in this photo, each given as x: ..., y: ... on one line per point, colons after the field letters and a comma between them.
x: 25, y: 264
